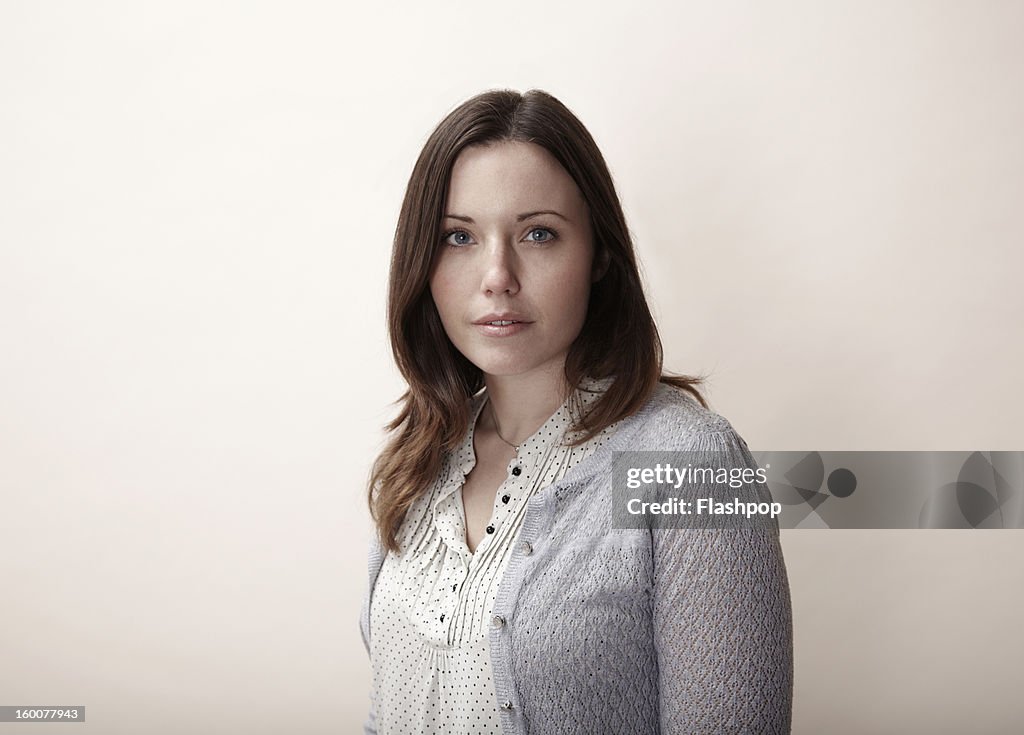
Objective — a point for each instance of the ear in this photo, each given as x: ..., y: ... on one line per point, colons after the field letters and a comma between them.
x: 601, y: 263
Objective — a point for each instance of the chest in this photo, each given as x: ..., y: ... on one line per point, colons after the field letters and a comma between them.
x: 480, y: 493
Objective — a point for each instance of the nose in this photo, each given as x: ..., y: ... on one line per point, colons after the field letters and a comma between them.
x: 499, y: 270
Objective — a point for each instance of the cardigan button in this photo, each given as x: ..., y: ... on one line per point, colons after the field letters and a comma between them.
x: 497, y: 621
x: 507, y: 704
x: 526, y: 548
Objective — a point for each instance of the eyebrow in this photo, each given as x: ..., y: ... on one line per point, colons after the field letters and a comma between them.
x: 519, y: 217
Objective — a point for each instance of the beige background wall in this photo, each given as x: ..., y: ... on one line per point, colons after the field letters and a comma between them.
x: 196, y: 206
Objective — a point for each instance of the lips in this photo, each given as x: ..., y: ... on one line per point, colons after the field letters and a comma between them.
x: 502, y: 328
x: 503, y: 319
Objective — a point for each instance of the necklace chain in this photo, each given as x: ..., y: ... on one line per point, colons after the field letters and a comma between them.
x: 496, y: 430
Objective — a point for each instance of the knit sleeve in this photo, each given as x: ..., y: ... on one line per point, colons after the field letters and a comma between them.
x: 370, y: 723
x: 723, y: 627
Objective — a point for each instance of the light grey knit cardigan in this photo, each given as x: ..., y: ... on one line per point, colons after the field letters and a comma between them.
x: 635, y: 632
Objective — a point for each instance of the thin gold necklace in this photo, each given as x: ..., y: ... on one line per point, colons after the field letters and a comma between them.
x: 494, y: 418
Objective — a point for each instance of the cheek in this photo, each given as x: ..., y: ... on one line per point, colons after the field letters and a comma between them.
x: 442, y: 291
x: 570, y: 296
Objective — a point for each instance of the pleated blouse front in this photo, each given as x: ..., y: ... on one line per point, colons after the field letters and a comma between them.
x: 432, y: 602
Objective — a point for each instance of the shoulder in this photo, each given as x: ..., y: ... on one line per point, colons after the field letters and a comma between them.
x: 673, y: 420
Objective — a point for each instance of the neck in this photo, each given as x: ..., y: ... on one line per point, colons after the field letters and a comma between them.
x: 522, y: 403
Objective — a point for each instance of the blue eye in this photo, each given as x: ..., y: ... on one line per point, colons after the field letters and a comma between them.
x: 551, y: 234
x: 461, y: 238
x: 447, y: 237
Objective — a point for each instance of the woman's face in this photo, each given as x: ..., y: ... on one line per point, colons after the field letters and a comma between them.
x: 516, y: 243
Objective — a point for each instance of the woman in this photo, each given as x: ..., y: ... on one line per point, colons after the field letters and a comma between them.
x: 500, y: 598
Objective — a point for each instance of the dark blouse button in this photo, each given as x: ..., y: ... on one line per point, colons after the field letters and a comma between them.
x: 454, y: 586
x: 442, y: 617
x: 505, y: 498
x: 516, y: 471
x: 490, y: 529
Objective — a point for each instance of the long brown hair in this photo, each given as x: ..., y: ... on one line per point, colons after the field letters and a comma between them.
x: 618, y: 338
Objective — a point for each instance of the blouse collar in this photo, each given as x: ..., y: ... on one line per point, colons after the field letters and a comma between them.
x: 587, y: 393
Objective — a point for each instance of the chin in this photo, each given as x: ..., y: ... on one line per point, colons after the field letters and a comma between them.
x: 514, y: 365
x: 503, y: 368
x: 506, y: 360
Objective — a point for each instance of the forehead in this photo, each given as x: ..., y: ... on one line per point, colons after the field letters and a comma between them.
x: 510, y: 174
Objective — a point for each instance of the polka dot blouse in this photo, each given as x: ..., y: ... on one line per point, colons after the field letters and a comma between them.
x: 432, y: 602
